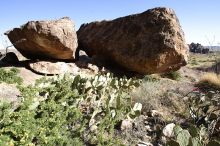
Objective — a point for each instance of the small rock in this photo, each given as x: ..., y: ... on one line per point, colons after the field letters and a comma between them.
x: 146, y: 138
x: 94, y: 68
x: 93, y: 128
x: 148, y: 128
x: 155, y: 113
x: 146, y: 122
x: 126, y: 124
x: 168, y: 130
x: 142, y: 143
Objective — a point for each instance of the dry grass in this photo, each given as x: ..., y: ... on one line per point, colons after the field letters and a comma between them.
x: 160, y: 96
x: 210, y: 80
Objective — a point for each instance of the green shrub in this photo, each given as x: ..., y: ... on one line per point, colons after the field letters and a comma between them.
x: 204, y: 107
x: 68, y: 110
x: 204, y: 121
x: 10, y: 76
x: 174, y: 75
x: 192, y: 136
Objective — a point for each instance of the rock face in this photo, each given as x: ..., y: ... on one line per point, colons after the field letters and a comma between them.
x: 149, y: 42
x: 45, y: 39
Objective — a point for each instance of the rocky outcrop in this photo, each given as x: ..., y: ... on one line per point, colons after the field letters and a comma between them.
x: 54, y: 39
x: 53, y: 67
x: 150, y: 42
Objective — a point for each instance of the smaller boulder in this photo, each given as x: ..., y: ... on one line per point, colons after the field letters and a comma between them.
x: 53, y: 68
x: 54, y: 39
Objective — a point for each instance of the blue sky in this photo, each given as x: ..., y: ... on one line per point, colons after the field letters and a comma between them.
x: 200, y: 19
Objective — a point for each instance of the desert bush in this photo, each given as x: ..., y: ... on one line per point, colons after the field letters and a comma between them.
x: 192, y: 136
x: 148, y: 94
x: 203, y: 122
x: 209, y: 80
x: 68, y: 110
x: 10, y: 76
x: 193, y: 61
x: 204, y: 109
x: 174, y: 75
x: 155, y: 94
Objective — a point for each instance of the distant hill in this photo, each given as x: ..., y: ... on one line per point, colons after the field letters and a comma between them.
x: 213, y: 48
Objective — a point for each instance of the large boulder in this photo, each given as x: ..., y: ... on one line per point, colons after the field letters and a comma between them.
x: 149, y: 42
x: 45, y: 39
